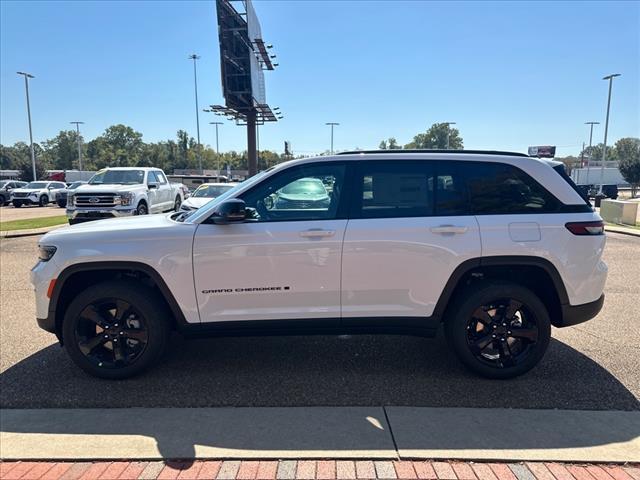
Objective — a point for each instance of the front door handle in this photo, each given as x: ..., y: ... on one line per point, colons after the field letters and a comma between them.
x: 317, y: 233
x: 449, y: 229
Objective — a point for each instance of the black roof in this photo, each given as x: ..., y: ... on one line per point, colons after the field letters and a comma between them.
x: 401, y: 151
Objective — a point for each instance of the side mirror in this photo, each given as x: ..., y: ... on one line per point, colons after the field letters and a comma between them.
x: 152, y: 186
x: 231, y: 211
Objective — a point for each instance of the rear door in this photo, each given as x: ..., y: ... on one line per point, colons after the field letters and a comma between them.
x: 164, y: 191
x: 409, y: 228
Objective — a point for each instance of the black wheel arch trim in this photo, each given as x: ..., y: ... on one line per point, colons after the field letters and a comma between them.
x: 499, y: 260
x: 54, y: 325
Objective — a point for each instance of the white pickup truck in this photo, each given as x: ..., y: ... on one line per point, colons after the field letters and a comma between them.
x: 124, y: 191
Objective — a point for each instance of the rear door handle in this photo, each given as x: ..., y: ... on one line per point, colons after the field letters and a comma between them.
x: 449, y: 229
x: 317, y: 233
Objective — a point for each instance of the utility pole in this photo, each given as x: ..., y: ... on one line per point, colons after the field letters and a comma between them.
x: 195, y: 57
x: 332, y: 124
x: 606, y: 127
x: 27, y: 76
x: 590, y: 151
x: 448, y: 124
x: 77, y: 124
x: 217, y: 146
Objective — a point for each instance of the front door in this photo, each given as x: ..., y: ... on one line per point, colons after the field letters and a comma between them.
x: 284, y: 261
x: 409, y: 229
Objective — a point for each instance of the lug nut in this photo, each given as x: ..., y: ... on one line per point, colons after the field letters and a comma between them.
x: 493, y: 336
x: 106, y: 336
x: 121, y: 333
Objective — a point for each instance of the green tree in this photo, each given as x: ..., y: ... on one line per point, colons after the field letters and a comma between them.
x: 390, y: 144
x: 436, y: 138
x: 628, y: 152
x: 62, y: 150
x: 118, y: 146
x: 594, y: 153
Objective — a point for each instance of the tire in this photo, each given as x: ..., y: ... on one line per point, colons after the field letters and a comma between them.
x: 177, y: 203
x: 142, y: 209
x: 62, y: 204
x: 17, y: 203
x: 43, y: 201
x: 3, y: 201
x: 489, y: 317
x: 119, y: 306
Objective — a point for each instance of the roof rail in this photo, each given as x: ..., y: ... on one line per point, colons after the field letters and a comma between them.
x: 401, y: 151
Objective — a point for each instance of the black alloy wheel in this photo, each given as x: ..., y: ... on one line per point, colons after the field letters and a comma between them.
x: 498, y: 329
x: 116, y: 329
x: 111, y: 333
x: 502, y: 333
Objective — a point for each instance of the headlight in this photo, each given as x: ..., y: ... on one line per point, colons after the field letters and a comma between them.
x: 45, y: 252
x: 126, y: 198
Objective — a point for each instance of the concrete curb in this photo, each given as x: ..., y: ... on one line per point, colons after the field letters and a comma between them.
x: 29, y: 232
x: 622, y: 230
x: 321, y: 432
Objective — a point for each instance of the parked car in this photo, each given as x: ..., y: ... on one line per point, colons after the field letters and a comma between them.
x: 205, y: 193
x: 303, y: 193
x: 611, y: 191
x: 36, y: 193
x: 494, y: 247
x: 121, y: 192
x: 61, y: 198
x: 6, y: 187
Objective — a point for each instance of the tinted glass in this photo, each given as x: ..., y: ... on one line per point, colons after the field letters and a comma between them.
x: 120, y: 177
x: 304, y: 193
x: 160, y: 177
x: 151, y: 177
x: 497, y: 188
x: 451, y: 197
x: 394, y: 189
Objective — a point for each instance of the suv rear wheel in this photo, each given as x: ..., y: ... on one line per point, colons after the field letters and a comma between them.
x: 499, y: 330
x: 115, y: 329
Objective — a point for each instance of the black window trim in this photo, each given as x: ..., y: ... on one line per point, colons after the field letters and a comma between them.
x: 343, y: 202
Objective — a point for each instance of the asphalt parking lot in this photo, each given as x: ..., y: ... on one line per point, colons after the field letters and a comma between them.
x: 592, y: 366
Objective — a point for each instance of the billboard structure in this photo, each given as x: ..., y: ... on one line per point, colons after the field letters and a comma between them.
x: 543, y: 151
x: 243, y: 59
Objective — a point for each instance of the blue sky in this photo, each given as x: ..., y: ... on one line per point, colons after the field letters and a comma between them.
x: 511, y: 74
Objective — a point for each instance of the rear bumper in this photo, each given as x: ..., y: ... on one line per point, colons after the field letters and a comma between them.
x: 575, y: 314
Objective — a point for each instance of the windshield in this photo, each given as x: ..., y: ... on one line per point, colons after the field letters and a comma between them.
x: 305, y: 186
x: 211, y: 191
x: 37, y: 185
x: 3, y: 183
x: 120, y: 177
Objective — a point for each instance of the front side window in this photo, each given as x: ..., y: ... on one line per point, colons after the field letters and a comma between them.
x: 161, y: 178
x: 300, y: 193
x: 497, y: 188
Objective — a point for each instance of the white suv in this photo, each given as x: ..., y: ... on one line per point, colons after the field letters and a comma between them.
x: 495, y: 246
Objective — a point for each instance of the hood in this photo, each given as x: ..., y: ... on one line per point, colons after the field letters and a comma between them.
x: 28, y: 190
x: 102, y: 229
x: 196, y: 202
x: 108, y: 188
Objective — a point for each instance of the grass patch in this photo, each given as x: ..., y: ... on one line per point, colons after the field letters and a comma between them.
x: 30, y: 223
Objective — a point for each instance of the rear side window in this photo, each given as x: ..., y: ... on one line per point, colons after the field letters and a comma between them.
x: 393, y: 189
x: 497, y: 188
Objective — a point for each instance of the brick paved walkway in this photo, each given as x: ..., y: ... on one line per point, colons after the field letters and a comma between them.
x: 311, y: 469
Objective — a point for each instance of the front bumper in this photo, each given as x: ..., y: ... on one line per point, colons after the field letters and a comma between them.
x: 575, y: 314
x: 90, y: 214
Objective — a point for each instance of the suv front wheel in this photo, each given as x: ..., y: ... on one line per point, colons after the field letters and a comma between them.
x: 498, y: 330
x: 116, y: 329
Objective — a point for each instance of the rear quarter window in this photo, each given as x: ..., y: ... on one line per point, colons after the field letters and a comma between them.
x: 497, y: 188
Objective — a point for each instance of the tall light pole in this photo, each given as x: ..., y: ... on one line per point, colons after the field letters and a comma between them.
x: 448, y: 124
x: 27, y: 76
x: 217, y: 146
x: 77, y: 124
x: 590, y: 151
x: 332, y: 124
x: 195, y: 58
x: 606, y: 127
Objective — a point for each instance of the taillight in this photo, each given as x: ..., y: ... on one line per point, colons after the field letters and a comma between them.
x: 586, y: 228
